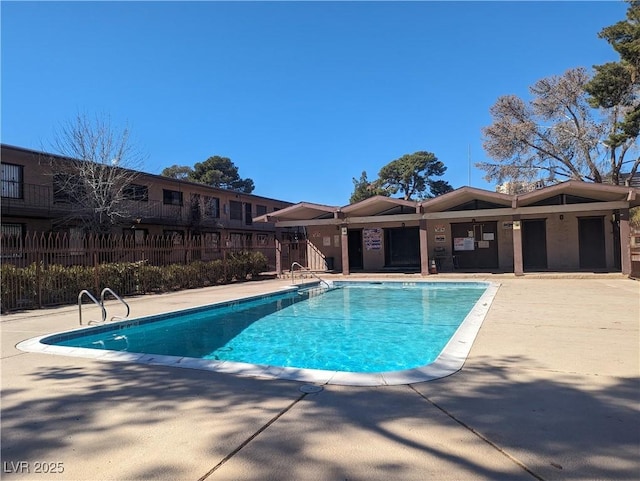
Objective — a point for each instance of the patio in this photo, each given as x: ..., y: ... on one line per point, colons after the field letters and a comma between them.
x: 550, y: 391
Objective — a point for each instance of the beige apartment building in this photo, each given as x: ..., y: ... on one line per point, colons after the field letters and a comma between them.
x: 156, y: 206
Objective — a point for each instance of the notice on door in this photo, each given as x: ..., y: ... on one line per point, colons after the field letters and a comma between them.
x: 463, y: 243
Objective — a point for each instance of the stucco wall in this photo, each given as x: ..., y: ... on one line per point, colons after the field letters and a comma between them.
x: 562, y: 242
x: 373, y: 258
x: 563, y: 246
x: 561, y: 237
x: 326, y: 241
x: 505, y: 244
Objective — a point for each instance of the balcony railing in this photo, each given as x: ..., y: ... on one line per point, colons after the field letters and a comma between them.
x: 29, y: 194
x: 33, y: 199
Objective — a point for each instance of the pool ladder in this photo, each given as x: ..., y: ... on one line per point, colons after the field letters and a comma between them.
x: 100, y: 304
x: 309, y: 271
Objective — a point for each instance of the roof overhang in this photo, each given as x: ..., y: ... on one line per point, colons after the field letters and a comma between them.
x: 303, y: 211
x: 462, y: 195
x: 379, y: 209
x: 380, y: 205
x: 599, y: 192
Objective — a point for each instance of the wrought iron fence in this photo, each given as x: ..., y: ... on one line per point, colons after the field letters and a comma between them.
x: 41, y: 270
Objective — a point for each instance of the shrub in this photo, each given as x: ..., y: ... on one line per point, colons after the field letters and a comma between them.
x: 149, y: 279
x: 18, y: 287
x: 62, y: 284
x: 121, y: 277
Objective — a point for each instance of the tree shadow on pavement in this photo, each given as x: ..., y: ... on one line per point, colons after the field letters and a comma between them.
x: 560, y: 427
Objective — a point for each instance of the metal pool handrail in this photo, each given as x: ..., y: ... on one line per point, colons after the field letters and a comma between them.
x: 110, y: 291
x: 309, y: 271
x: 100, y: 304
x: 95, y: 301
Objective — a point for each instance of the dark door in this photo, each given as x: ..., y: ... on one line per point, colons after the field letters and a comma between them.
x: 402, y: 247
x: 534, y: 244
x: 355, y: 249
x: 591, y: 240
x: 475, y: 245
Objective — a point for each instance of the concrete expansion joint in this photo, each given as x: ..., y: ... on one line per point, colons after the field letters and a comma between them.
x: 481, y: 436
x: 13, y: 355
x: 252, y: 437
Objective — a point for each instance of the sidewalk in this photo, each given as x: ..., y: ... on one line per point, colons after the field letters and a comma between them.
x: 551, y: 390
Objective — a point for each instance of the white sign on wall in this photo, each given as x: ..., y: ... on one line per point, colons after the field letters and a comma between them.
x: 372, y: 239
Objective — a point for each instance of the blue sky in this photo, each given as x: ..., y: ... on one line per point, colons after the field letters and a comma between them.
x: 301, y: 96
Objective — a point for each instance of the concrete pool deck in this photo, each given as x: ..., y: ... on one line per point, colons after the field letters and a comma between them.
x: 550, y: 391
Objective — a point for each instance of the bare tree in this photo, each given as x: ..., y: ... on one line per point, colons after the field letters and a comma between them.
x: 94, y: 172
x: 555, y: 136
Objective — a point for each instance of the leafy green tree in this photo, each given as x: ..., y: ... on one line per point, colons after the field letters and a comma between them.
x: 363, y: 189
x: 439, y: 187
x: 221, y: 172
x: 412, y: 175
x: 216, y: 171
x: 616, y: 87
x: 181, y: 172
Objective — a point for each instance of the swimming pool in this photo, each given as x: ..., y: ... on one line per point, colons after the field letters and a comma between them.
x: 356, y: 333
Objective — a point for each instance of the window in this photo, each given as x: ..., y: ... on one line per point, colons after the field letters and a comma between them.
x: 248, y: 218
x: 136, y: 192
x: 196, y: 209
x: 176, y: 236
x: 76, y: 241
x: 211, y: 207
x: 11, y: 235
x: 211, y: 241
x: 235, y: 210
x: 171, y: 197
x: 11, y: 176
x: 240, y: 241
x: 261, y: 210
x: 139, y: 235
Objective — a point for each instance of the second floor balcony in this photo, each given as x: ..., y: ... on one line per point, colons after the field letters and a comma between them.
x: 39, y: 201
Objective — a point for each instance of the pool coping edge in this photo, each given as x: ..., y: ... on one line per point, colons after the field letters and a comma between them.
x: 450, y: 360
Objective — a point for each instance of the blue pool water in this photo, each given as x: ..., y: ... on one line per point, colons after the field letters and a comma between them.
x: 357, y: 327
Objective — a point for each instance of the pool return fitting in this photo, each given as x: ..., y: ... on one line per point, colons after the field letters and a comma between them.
x: 100, y: 304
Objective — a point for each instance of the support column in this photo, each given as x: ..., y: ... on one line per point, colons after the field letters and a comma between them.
x: 278, y: 253
x: 518, y: 268
x: 424, y: 248
x: 344, y: 244
x: 625, y: 244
